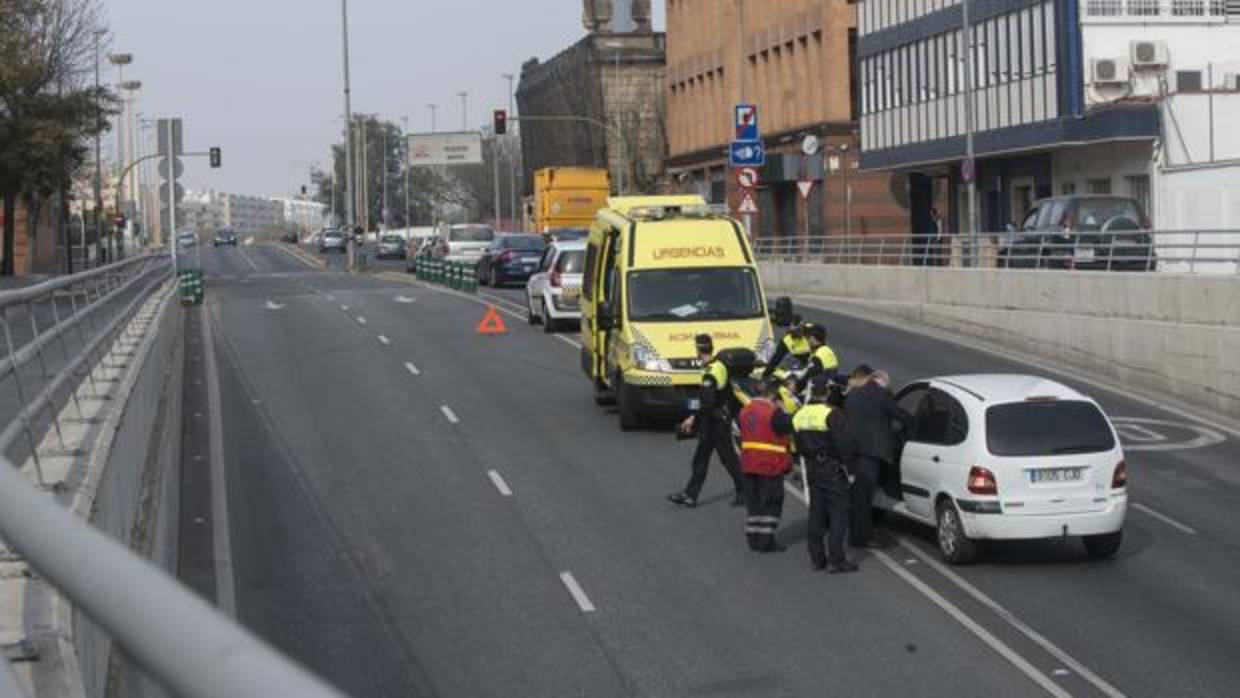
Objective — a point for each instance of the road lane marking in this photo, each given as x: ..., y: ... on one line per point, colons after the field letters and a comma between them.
x: 412, y: 369
x: 384, y: 340
x: 225, y: 582
x: 449, y: 414
x: 247, y: 259
x: 330, y: 298
x: 510, y: 313
x: 961, y: 617
x: 1148, y: 434
x: 361, y: 320
x: 344, y: 308
x: 1164, y: 518
x: 1008, y: 617
x: 499, y: 483
x: 578, y: 594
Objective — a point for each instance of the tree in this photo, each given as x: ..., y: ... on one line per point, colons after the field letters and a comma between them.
x: 47, y: 110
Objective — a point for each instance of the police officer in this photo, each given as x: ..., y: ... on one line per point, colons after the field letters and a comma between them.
x: 794, y: 344
x: 820, y: 438
x: 714, y: 427
x: 823, y: 361
x: 765, y: 459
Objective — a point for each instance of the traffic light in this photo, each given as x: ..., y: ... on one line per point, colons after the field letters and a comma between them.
x: 501, y: 122
x: 216, y: 157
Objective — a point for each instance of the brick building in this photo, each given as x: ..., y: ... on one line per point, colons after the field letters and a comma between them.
x: 792, y: 58
x: 614, y: 75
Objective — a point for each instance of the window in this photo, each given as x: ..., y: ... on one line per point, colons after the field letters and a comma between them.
x: 679, y: 295
x: 1139, y: 189
x: 570, y: 262
x: 1047, y: 428
x: 941, y: 420
x: 1188, y: 81
x: 587, y: 282
x: 1067, y: 188
x: 1099, y: 186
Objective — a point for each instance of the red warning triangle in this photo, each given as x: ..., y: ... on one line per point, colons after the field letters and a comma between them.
x: 492, y: 323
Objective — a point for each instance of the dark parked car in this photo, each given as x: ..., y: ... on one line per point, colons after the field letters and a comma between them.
x: 224, y: 237
x: 1099, y: 232
x: 391, y: 247
x: 567, y: 234
x: 333, y: 241
x: 510, y: 258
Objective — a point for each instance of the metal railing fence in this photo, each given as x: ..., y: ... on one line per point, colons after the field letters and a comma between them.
x: 1196, y: 251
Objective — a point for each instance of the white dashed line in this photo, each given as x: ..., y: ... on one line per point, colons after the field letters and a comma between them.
x: 499, y: 483
x: 361, y: 320
x: 449, y: 414
x: 1165, y: 519
x: 329, y: 297
x: 412, y: 369
x: 579, y: 595
x: 344, y: 308
x: 384, y: 340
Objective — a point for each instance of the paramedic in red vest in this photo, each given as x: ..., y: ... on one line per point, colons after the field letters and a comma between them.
x: 766, y: 457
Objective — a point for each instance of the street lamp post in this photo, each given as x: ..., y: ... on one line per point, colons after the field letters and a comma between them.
x: 404, y: 140
x: 464, y: 110
x: 99, y: 33
x: 432, y: 107
x: 966, y: 37
x: 348, y: 137
x: 514, y: 150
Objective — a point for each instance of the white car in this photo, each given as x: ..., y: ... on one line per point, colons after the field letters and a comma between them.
x: 553, y: 293
x: 465, y: 243
x: 1008, y: 457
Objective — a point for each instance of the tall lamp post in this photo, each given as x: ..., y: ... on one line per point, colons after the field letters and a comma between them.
x: 432, y: 106
x: 512, y: 210
x: 350, y: 221
x: 464, y: 110
x: 99, y: 34
x: 404, y: 140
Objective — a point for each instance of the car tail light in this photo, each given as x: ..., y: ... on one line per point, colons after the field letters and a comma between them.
x: 506, y: 257
x: 982, y: 481
x: 556, y: 278
x: 1119, y: 479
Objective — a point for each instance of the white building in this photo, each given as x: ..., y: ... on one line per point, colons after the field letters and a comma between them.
x: 207, y: 211
x: 1130, y: 97
x: 306, y: 215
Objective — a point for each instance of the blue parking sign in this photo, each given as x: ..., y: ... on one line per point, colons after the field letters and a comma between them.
x: 747, y: 122
x: 747, y: 154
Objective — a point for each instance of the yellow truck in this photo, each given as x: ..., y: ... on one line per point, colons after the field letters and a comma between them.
x: 568, y: 197
x: 660, y: 270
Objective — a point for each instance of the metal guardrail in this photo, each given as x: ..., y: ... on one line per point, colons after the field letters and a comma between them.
x: 56, y: 334
x: 1197, y: 251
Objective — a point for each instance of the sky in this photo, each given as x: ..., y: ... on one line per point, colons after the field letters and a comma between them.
x: 262, y: 79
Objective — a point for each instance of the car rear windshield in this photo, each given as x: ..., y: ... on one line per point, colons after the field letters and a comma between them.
x: 393, y: 238
x: 1047, y: 428
x: 679, y: 295
x: 1117, y: 213
x: 571, y: 262
x: 523, y: 242
x: 333, y: 235
x: 471, y: 233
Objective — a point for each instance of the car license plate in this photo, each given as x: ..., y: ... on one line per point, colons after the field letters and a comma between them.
x: 1084, y: 254
x: 571, y: 294
x: 1045, y: 475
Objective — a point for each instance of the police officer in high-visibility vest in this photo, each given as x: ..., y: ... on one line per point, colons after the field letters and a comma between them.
x: 766, y: 457
x: 795, y: 343
x: 822, y: 359
x: 827, y: 453
x: 714, y: 427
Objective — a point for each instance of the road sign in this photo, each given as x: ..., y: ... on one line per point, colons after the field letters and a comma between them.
x: 747, y: 177
x: 428, y: 149
x: 833, y: 163
x: 806, y: 186
x: 966, y: 170
x: 810, y: 144
x: 163, y: 194
x: 748, y: 205
x: 163, y: 126
x: 747, y: 154
x: 178, y: 168
x: 747, y: 122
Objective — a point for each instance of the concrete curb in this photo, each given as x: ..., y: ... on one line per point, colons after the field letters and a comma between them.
x: 301, y: 254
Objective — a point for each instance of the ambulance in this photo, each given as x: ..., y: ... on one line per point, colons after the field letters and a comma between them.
x: 659, y: 271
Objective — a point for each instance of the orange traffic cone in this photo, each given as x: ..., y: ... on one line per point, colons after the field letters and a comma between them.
x: 492, y: 323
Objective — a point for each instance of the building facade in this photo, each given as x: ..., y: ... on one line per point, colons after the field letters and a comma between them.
x: 1060, y: 96
x: 305, y: 215
x: 792, y: 59
x: 612, y: 78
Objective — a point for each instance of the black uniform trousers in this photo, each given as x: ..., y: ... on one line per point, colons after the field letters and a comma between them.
x: 866, y: 469
x: 714, y: 435
x: 828, y: 509
x: 764, y: 499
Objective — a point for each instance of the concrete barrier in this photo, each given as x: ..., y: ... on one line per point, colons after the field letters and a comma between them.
x: 1168, y: 334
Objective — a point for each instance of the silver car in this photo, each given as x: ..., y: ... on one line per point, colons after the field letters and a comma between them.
x: 333, y: 241
x: 391, y: 247
x: 553, y: 294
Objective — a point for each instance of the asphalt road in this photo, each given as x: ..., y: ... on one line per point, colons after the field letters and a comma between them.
x: 417, y: 510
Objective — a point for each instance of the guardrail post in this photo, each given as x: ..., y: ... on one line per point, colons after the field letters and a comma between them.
x: 21, y: 396
x: 64, y: 350
x: 36, y: 340
x: 1192, y: 263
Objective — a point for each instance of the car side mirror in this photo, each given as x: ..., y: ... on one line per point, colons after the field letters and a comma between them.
x: 782, y: 312
x: 1011, y: 227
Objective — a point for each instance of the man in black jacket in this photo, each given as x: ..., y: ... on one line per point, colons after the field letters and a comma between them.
x: 872, y: 410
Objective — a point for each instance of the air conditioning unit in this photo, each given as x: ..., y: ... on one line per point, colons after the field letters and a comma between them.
x: 1108, y: 71
x: 1231, y: 81
x: 1149, y: 54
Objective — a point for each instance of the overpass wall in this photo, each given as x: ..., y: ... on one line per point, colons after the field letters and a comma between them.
x: 1167, y: 334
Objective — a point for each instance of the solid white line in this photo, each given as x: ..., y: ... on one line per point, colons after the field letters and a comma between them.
x: 384, y: 340
x: 247, y: 259
x: 500, y: 308
x: 412, y: 369
x: 361, y: 320
x: 583, y: 601
x: 225, y: 583
x: 499, y: 483
x: 329, y: 297
x: 1165, y: 519
x: 344, y: 308
x: 1013, y: 621
x: 972, y: 626
x: 449, y: 414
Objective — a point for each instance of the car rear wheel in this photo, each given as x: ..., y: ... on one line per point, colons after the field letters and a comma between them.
x: 547, y: 322
x: 494, y: 278
x: 955, y: 547
x: 1103, y: 546
x: 482, y: 277
x: 530, y: 317
x: 627, y: 402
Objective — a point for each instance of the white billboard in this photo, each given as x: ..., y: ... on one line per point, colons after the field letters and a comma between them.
x: 427, y: 149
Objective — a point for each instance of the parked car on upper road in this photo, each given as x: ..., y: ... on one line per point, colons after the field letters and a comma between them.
x: 224, y: 236
x: 1008, y: 457
x: 510, y: 257
x: 1100, y: 232
x: 464, y: 243
x: 333, y: 241
x: 553, y: 294
x: 391, y: 247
